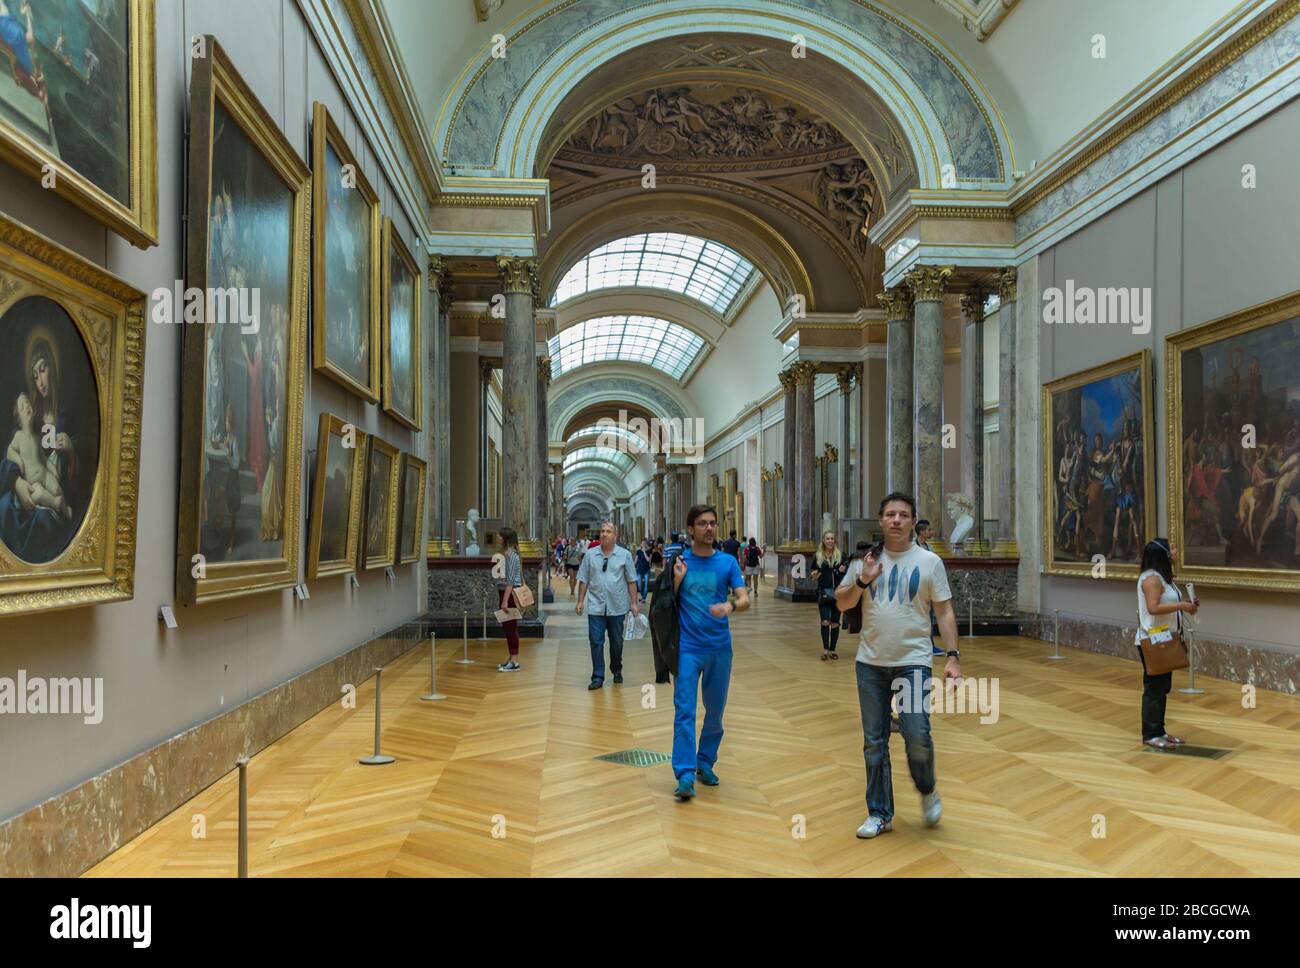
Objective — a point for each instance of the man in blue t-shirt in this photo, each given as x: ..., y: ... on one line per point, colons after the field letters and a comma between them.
x: 702, y: 578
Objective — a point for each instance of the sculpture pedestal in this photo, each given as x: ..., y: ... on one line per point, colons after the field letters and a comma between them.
x: 789, y: 588
x: 463, y: 584
x: 989, y: 585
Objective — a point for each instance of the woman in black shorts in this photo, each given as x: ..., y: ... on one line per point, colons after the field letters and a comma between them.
x: 830, y: 568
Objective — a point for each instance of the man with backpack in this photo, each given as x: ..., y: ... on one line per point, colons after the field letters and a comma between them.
x: 752, y: 558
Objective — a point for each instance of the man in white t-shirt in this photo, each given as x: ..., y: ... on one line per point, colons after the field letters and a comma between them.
x: 898, y: 583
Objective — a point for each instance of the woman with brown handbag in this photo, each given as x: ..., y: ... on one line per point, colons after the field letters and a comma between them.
x: 514, y: 578
x: 1158, y: 595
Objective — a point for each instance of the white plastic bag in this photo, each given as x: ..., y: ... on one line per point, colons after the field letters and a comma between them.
x: 637, y: 628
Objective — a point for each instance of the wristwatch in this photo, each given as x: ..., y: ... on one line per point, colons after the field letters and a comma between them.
x: 858, y: 581
x: 954, y: 653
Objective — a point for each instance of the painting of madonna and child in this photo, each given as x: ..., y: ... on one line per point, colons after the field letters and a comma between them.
x: 50, y: 453
x: 1100, y: 467
x: 1238, y: 425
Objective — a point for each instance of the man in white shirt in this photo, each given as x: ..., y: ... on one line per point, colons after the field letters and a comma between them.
x: 898, y: 583
x: 608, y: 574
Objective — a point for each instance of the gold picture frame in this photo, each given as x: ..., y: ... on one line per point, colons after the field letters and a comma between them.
x: 134, y: 217
x: 409, y: 553
x: 331, y: 439
x: 398, y: 257
x: 326, y: 137
x: 1055, y: 560
x: 1247, y: 401
x: 105, y: 317
x: 386, y: 490
x: 218, y: 93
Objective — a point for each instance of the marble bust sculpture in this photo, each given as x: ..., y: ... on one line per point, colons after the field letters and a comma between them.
x: 471, y: 532
x: 960, y: 507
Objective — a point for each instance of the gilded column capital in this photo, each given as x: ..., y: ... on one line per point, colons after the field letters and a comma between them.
x: 787, y: 380
x: 544, y: 371
x: 803, y: 373
x: 928, y: 283
x: 848, y: 376
x: 896, y: 302
x: 972, y: 306
x: 1007, y: 284
x: 438, y: 272
x: 485, y: 368
x: 518, y: 275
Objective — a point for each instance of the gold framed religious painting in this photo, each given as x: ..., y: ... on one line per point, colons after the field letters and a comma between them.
x: 1098, y: 470
x: 71, y: 379
x: 245, y: 344
x: 411, y: 523
x: 402, y: 390
x: 77, y: 113
x: 383, y: 482
x: 1233, y: 410
x: 334, y: 529
x: 345, y: 254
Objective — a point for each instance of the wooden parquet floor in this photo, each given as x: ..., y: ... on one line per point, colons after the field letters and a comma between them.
x: 500, y: 778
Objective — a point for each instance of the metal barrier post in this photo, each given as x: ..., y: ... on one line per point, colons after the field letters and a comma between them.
x: 434, y: 694
x: 464, y: 641
x: 242, y: 762
x: 377, y: 758
x: 1190, y: 689
x: 1056, y: 638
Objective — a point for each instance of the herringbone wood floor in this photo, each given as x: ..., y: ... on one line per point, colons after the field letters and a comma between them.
x: 512, y: 755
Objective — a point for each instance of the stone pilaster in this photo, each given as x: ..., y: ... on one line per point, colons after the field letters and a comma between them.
x: 897, y: 304
x: 805, y: 478
x: 438, y: 435
x: 788, y: 514
x: 543, y: 496
x: 928, y: 285
x: 672, y: 502
x: 558, y: 523
x: 519, y: 402
x: 972, y: 381
x: 661, y: 528
x: 847, y: 377
x: 1006, y: 544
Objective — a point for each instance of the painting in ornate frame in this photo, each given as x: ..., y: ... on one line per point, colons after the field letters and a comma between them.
x: 1107, y: 503
x: 334, y: 529
x: 345, y: 260
x: 379, y: 536
x: 72, y: 379
x: 239, y: 529
x: 411, y: 518
x: 402, y: 383
x: 77, y: 108
x: 1233, y: 439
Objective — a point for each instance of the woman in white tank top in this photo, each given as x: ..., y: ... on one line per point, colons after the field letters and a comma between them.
x: 1159, y: 603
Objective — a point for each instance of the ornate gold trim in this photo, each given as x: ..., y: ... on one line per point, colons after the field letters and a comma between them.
x: 98, y: 565
x: 896, y: 302
x: 330, y: 427
x: 518, y: 275
x: 325, y: 132
x: 392, y: 486
x: 928, y: 283
x: 967, y: 212
x: 394, y: 246
x: 1083, y: 569
x: 214, y: 78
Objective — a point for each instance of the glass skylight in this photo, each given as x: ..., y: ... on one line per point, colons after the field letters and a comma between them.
x: 684, y: 264
x: 602, y: 455
x: 655, y: 342
x: 612, y: 432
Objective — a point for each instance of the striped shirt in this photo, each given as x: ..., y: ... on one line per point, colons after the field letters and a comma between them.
x: 514, y: 570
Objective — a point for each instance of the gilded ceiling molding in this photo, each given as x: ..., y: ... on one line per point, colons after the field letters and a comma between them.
x: 980, y: 17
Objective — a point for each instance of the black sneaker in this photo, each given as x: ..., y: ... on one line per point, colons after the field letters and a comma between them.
x: 618, y: 680
x: 594, y: 685
x: 511, y: 666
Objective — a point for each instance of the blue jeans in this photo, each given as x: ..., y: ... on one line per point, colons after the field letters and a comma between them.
x: 715, y: 668
x: 876, y: 687
x: 597, y: 626
x: 643, y: 584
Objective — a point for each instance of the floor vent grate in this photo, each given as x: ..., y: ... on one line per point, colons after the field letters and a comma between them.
x: 637, y: 757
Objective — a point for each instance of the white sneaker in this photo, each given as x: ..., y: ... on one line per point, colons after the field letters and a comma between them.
x: 931, y: 808
x: 874, y: 826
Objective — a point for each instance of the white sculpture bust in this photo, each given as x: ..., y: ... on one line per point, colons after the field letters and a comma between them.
x: 960, y: 507
x: 471, y: 532
x: 828, y: 523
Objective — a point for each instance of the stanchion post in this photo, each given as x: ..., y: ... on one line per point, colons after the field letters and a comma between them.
x: 434, y: 694
x: 464, y: 641
x: 1190, y: 689
x: 378, y: 758
x: 970, y: 606
x: 483, y: 637
x: 1056, y: 638
x: 242, y: 762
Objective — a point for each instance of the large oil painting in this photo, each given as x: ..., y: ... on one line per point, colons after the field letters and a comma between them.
x: 1097, y: 469
x: 335, y: 526
x: 77, y: 105
x: 382, y: 484
x: 402, y: 383
x: 71, y: 362
x: 244, y: 360
x: 1234, y: 447
x: 345, y: 263
x: 412, y: 519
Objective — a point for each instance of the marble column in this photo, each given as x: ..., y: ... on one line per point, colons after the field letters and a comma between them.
x: 805, y: 476
x: 519, y: 402
x: 1006, y: 543
x: 972, y: 383
x: 928, y: 284
x: 672, y: 502
x: 660, y: 515
x: 847, y: 377
x: 485, y: 484
x: 789, y: 524
x: 897, y: 304
x: 558, y: 523
x: 438, y: 432
x: 543, y: 495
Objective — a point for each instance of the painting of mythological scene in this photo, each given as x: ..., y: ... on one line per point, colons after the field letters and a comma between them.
x: 345, y: 294
x: 381, y: 505
x: 413, y: 482
x: 50, y: 446
x: 335, y: 525
x: 1097, y: 440
x: 241, y: 440
x: 251, y: 219
x: 402, y: 389
x: 1235, y: 449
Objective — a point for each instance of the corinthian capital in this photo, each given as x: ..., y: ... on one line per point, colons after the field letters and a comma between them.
x: 1007, y: 284
x: 518, y: 274
x: 896, y: 302
x: 847, y: 376
x: 803, y: 372
x: 928, y: 283
x: 972, y: 306
x: 787, y: 380
x: 544, y: 370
